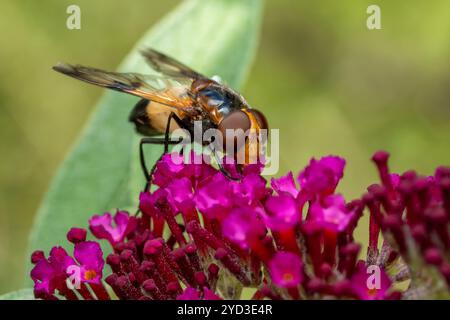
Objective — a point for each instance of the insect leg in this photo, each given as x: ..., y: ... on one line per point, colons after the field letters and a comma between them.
x: 151, y: 140
x: 172, y: 116
x: 221, y: 168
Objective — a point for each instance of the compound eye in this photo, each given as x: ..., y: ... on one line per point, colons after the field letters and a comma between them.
x: 260, y: 118
x: 234, y: 128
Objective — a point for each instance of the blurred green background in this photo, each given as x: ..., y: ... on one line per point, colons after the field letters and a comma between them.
x: 331, y: 86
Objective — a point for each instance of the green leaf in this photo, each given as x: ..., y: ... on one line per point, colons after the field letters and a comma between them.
x: 101, y: 172
x: 24, y: 294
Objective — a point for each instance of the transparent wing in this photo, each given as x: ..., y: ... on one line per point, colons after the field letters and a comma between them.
x: 169, y: 66
x: 170, y: 91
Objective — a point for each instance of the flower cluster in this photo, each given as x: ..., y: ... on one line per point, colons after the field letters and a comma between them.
x: 200, y: 235
x: 413, y: 213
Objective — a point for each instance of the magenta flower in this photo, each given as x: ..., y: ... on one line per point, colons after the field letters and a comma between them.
x: 102, y: 226
x: 286, y: 269
x: 282, y: 212
x: 45, y: 279
x: 200, y: 232
x: 182, y: 195
x: 370, y: 284
x: 321, y: 177
x: 50, y: 274
x: 76, y: 235
x: 210, y: 295
x: 332, y: 215
x: 285, y: 184
x: 189, y: 294
x: 254, y: 168
x: 89, y: 255
x: 198, y: 168
x: 158, y: 203
x: 63, y: 275
x: 172, y: 167
x: 168, y: 168
x: 214, y: 198
x: 242, y: 227
x: 229, y: 164
x: 250, y: 191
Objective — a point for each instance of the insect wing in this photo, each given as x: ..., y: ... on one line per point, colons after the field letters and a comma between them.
x: 169, y: 91
x: 169, y: 66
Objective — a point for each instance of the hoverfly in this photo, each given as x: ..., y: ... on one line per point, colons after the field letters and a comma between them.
x: 174, y: 98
